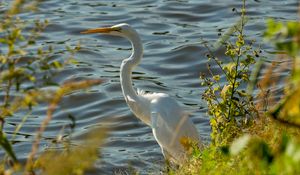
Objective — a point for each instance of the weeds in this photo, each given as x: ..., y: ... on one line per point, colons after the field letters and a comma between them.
x: 229, y: 105
x: 245, y: 141
x: 287, y: 39
x: 22, y: 63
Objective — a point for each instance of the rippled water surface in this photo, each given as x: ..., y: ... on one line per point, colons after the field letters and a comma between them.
x: 172, y: 32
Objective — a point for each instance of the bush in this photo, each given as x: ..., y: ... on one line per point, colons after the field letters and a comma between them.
x: 245, y: 139
x: 230, y: 106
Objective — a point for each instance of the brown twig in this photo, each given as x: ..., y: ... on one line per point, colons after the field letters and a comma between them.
x: 63, y: 90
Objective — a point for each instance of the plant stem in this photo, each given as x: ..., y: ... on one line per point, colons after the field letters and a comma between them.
x: 233, y: 90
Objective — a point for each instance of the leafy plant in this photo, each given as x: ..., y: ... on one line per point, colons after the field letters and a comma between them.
x: 285, y: 36
x: 23, y: 61
x: 267, y: 146
x: 229, y: 105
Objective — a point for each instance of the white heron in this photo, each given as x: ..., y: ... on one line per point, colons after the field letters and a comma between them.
x: 170, y: 124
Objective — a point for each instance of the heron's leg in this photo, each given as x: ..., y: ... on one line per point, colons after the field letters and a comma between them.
x: 166, y: 154
x: 167, y: 159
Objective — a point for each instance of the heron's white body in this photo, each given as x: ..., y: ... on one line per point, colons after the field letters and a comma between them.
x: 162, y: 113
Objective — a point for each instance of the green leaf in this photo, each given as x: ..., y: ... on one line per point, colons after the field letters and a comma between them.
x: 273, y: 28
x: 240, y: 42
x: 216, y: 77
x: 5, y: 144
x: 229, y: 67
x: 225, y: 91
x: 56, y: 65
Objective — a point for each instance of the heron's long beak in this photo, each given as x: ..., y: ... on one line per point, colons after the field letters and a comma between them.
x: 101, y: 30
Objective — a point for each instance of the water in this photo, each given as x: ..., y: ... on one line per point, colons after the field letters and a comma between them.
x: 172, y: 32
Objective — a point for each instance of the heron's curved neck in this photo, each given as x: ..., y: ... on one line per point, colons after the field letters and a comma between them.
x: 127, y: 66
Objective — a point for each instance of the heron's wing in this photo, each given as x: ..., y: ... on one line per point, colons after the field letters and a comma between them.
x: 174, y: 123
x: 129, y: 99
x: 166, y: 135
x: 170, y: 128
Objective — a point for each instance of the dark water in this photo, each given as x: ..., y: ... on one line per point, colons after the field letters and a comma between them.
x: 172, y: 32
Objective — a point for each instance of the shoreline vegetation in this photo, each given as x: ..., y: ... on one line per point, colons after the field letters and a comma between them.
x: 26, y: 69
x: 252, y: 133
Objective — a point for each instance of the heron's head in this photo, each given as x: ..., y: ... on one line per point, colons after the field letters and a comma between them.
x: 124, y: 30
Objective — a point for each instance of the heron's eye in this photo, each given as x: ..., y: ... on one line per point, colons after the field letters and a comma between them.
x: 118, y: 29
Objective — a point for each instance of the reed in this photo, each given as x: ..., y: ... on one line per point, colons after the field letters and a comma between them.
x: 23, y: 60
